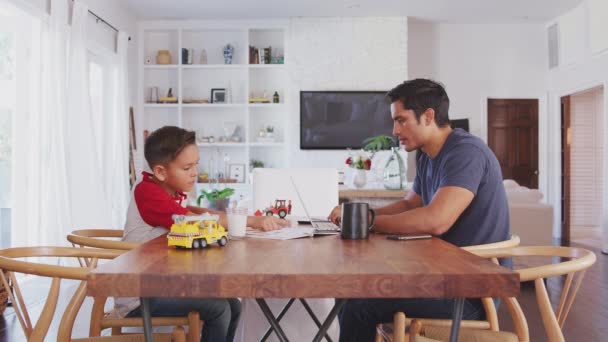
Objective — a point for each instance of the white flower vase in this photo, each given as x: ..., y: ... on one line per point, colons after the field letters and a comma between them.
x: 359, y: 178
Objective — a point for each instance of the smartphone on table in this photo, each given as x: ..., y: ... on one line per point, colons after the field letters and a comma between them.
x: 408, y: 237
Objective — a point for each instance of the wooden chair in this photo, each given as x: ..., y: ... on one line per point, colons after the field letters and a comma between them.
x: 574, y: 269
x: 100, y: 320
x: 38, y: 332
x: 400, y: 322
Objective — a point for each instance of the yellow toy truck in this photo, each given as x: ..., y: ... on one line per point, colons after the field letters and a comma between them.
x: 196, y: 231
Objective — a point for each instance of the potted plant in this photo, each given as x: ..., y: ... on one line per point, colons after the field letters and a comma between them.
x: 379, y: 143
x: 218, y: 199
x: 256, y: 163
x: 269, y: 131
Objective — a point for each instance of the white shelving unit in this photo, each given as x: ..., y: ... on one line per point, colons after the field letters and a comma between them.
x: 195, y: 81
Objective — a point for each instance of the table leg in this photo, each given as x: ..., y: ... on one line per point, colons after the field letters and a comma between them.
x: 456, y: 318
x: 279, y: 317
x: 145, y: 314
x: 330, y: 318
x: 314, y: 317
x: 272, y: 320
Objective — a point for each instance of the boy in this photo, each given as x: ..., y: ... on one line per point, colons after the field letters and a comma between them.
x: 172, y: 155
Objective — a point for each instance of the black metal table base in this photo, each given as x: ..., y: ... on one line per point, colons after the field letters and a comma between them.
x: 276, y: 327
x: 145, y: 314
x: 456, y: 318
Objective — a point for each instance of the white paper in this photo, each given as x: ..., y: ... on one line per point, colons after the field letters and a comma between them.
x: 282, y: 234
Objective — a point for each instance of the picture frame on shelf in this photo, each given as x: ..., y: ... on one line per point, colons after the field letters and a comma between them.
x: 237, y: 171
x: 218, y: 95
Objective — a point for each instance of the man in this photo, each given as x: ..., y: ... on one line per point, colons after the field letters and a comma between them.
x: 457, y: 196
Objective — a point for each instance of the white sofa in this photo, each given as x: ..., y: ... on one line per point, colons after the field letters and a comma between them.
x: 530, y: 218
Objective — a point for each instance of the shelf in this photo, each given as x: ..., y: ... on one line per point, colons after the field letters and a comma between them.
x: 266, y: 105
x: 266, y: 66
x: 160, y: 66
x: 213, y: 105
x: 161, y: 105
x: 221, y: 144
x: 266, y: 144
x: 196, y: 81
x: 214, y: 66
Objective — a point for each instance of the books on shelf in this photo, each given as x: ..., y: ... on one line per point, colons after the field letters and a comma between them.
x: 263, y: 56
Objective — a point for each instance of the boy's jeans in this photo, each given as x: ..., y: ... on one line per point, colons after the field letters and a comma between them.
x: 220, y: 316
x: 358, y: 317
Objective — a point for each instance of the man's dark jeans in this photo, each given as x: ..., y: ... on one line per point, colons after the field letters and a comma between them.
x: 358, y: 317
x: 220, y: 316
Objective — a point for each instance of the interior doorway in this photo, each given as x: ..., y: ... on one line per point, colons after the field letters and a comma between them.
x: 513, y: 137
x: 582, y: 166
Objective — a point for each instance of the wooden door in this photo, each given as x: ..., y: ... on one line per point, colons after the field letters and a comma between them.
x: 513, y: 136
x: 565, y: 180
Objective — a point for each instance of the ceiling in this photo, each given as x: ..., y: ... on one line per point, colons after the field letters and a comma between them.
x: 457, y: 11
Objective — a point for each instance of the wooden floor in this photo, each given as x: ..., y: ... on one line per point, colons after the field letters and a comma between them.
x: 588, y: 319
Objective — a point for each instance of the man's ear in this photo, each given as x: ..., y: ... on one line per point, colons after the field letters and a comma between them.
x: 160, y: 172
x: 428, y: 116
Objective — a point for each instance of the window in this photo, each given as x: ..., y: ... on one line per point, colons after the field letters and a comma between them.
x: 102, y: 66
x: 8, y: 85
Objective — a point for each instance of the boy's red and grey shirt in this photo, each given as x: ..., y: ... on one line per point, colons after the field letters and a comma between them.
x: 155, y: 205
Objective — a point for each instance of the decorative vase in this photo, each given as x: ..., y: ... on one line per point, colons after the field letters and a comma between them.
x: 228, y: 52
x: 219, y: 204
x: 394, y: 171
x: 203, y: 59
x: 163, y: 57
x: 359, y: 178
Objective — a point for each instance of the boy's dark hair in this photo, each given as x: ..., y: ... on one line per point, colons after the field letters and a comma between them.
x: 419, y: 95
x: 164, y: 144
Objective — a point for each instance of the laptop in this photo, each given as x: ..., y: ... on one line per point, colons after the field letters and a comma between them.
x: 322, y: 227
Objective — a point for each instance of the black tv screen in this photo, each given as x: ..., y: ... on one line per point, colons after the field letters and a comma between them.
x: 460, y: 123
x: 333, y: 120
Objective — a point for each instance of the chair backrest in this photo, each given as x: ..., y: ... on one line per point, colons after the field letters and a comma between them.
x: 8, y: 263
x: 488, y: 303
x: 100, y: 238
x: 318, y: 188
x: 578, y: 261
x: 514, y: 241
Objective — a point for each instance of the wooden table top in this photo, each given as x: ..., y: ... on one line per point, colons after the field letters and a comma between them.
x: 320, y: 267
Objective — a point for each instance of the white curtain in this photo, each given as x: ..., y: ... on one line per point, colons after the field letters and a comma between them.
x: 87, y: 182
x: 117, y: 177
x: 62, y: 179
x: 40, y: 181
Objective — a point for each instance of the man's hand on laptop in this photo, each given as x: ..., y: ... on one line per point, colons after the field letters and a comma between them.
x: 336, y: 215
x: 267, y: 223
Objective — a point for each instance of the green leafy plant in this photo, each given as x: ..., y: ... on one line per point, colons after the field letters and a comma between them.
x: 214, y: 195
x: 256, y: 163
x: 379, y: 143
x: 269, y: 129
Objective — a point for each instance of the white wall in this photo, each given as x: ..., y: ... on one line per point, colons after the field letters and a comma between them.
x: 341, y: 54
x: 480, y: 61
x: 587, y: 69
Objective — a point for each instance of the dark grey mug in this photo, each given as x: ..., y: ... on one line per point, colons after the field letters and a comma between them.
x: 355, y: 221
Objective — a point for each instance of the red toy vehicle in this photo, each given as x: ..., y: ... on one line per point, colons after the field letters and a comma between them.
x: 279, y: 208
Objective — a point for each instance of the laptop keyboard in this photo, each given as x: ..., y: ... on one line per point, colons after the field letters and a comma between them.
x: 325, y: 225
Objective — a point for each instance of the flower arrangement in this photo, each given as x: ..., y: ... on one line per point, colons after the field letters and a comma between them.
x: 360, y: 161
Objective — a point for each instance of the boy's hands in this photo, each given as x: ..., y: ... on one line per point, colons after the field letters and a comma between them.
x: 267, y: 223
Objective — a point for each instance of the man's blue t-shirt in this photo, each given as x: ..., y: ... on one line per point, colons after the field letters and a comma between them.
x: 466, y: 161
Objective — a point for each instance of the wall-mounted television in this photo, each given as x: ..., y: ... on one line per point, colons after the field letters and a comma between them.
x: 460, y: 123
x: 334, y: 120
